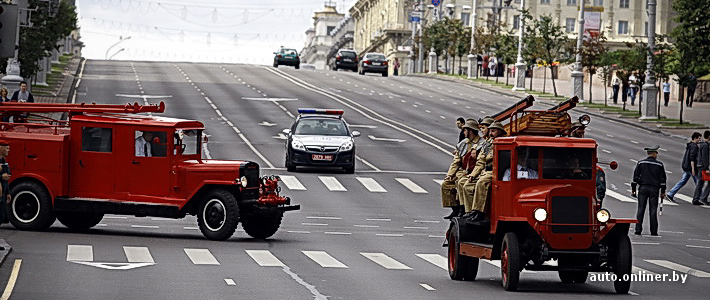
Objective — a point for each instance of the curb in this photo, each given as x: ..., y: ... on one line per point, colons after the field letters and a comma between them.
x: 5, y: 249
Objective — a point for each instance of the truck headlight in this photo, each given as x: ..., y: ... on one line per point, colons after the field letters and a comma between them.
x: 243, y: 180
x: 298, y: 145
x: 603, y: 215
x: 347, y: 146
x: 540, y: 214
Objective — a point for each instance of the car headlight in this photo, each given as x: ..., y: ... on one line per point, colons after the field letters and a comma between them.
x: 603, y: 215
x: 347, y: 146
x: 298, y: 145
x: 243, y: 180
x: 540, y: 214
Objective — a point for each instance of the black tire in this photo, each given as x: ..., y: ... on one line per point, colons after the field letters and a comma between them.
x: 335, y: 68
x: 79, y: 220
x: 298, y: 66
x: 289, y: 166
x: 276, y: 65
x: 218, y: 215
x: 510, y: 261
x: 350, y: 169
x: 384, y: 74
x: 622, y: 264
x: 31, y: 207
x: 264, y: 223
x: 461, y: 267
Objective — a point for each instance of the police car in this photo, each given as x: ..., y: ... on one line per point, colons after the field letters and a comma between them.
x: 320, y: 138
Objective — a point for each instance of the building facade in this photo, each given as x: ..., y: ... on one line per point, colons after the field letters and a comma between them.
x: 342, y: 37
x: 318, y: 39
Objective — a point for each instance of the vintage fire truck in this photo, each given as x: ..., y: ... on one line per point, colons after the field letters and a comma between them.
x: 546, y: 210
x: 109, y: 159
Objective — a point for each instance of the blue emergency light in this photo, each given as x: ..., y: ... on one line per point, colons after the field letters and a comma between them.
x: 321, y: 111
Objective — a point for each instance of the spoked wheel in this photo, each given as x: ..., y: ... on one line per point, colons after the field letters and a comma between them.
x: 510, y: 261
x: 218, y: 215
x: 622, y: 265
x: 461, y: 267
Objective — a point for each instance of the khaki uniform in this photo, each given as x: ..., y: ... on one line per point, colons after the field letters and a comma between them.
x: 479, y: 145
x: 457, y: 170
x: 476, y: 191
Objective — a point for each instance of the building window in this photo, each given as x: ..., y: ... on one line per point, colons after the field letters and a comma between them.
x: 645, y: 29
x: 598, y: 2
x: 330, y: 28
x: 516, y: 22
x: 569, y: 24
x: 623, y: 3
x: 545, y: 2
x: 571, y: 2
x: 623, y: 27
x: 466, y: 18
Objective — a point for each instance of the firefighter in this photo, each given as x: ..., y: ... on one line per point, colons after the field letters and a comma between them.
x: 483, y: 126
x: 650, y: 176
x: 462, y: 156
x: 478, y: 144
x: 484, y: 169
x: 468, y: 186
x: 4, y: 179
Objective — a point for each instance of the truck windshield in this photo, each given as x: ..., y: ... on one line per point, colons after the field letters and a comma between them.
x: 187, y: 141
x: 567, y: 163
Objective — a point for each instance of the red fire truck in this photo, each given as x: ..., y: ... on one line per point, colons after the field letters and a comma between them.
x: 109, y: 159
x: 546, y: 211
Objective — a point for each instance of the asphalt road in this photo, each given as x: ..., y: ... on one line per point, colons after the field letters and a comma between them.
x: 358, y: 240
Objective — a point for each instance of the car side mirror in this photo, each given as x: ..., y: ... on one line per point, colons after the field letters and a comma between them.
x: 286, y: 131
x: 156, y: 140
x: 356, y: 133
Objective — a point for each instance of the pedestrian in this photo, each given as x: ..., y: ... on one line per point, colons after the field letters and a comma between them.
x: 4, y: 98
x: 5, y: 174
x: 479, y: 64
x: 650, y: 177
x: 459, y: 123
x: 615, y: 89
x: 23, y: 95
x: 395, y: 65
x: 703, y: 163
x: 692, y: 83
x: 632, y: 92
x: 688, y: 165
x: 666, y: 92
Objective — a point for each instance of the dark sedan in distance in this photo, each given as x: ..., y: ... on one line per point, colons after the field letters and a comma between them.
x: 374, y: 63
x: 346, y: 59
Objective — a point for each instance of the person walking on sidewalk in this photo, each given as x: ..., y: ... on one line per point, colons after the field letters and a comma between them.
x: 703, y: 163
x: 688, y: 165
x: 666, y: 92
x: 632, y: 92
x: 692, y: 83
x: 615, y: 89
x: 650, y: 177
x: 395, y: 65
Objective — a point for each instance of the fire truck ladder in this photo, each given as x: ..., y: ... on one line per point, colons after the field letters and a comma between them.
x: 12, y: 108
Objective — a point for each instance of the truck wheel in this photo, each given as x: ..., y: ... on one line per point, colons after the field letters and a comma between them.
x: 510, y: 261
x: 461, y: 267
x: 31, y: 207
x: 218, y: 215
x: 263, y: 224
x: 622, y: 265
x: 79, y: 220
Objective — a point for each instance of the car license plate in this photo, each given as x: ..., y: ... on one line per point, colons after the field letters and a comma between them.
x: 347, y: 60
x: 322, y: 157
x: 375, y: 64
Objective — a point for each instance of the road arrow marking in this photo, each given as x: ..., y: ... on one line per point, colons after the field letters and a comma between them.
x: 113, y: 266
x: 267, y: 124
x: 269, y: 99
x: 372, y: 137
x: 281, y: 136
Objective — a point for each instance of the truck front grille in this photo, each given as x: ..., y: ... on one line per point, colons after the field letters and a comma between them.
x: 570, y: 210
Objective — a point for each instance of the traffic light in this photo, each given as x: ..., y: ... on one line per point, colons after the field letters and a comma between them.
x: 8, y: 30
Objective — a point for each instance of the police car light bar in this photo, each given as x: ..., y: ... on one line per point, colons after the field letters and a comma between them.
x: 320, y: 111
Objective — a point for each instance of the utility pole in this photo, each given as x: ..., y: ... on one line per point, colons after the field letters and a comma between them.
x: 415, y: 19
x: 12, y: 71
x: 473, y: 57
x: 578, y: 74
x: 433, y: 63
x: 649, y: 88
x: 520, y: 64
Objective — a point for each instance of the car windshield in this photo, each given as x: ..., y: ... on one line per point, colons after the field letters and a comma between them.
x: 347, y: 54
x: 289, y: 51
x: 567, y: 163
x: 376, y: 56
x: 321, y: 127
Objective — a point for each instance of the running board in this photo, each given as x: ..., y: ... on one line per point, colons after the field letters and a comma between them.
x: 106, y: 206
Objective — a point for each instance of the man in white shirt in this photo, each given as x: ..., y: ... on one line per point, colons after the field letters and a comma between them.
x: 143, y: 147
x: 523, y: 171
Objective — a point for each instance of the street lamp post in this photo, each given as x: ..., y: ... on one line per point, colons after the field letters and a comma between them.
x: 649, y: 88
x: 432, y: 54
x: 578, y: 74
x: 117, y: 52
x: 520, y: 64
x: 121, y: 39
x: 472, y: 57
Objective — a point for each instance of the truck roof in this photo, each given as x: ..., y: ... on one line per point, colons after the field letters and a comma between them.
x: 142, y: 120
x: 547, y: 141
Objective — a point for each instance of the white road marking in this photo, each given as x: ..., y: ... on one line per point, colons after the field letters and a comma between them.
x: 367, y: 226
x: 609, y: 135
x: 606, y: 151
x: 645, y: 243
x: 633, y: 160
x: 332, y: 184
x: 684, y: 198
x: 373, y: 167
x: 678, y: 267
x: 436, y: 260
x: 694, y: 246
x: 436, y: 236
x: 201, y: 256
x: 426, y: 221
x: 314, y: 224
x: 230, y: 281
x: 428, y: 111
x: 145, y: 226
x: 415, y: 227
x: 634, y: 142
x: 298, y: 231
x: 372, y: 137
x: 80, y: 253
x: 116, y: 217
x: 292, y: 183
x: 636, y: 270
x: 381, y: 220
x: 325, y: 218
x: 138, y: 254
x: 337, y: 233
x: 438, y: 181
x: 390, y: 234
x: 673, y: 232
x: 409, y: 184
x: 442, y: 117
x: 191, y: 228
x: 385, y: 261
x: 427, y: 287
x: 619, y: 197
x: 12, y: 280
x: 663, y: 149
x: 264, y: 258
x: 324, y: 259
x: 371, y: 185
x: 699, y: 240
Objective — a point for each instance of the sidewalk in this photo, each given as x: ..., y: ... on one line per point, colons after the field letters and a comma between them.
x: 699, y: 114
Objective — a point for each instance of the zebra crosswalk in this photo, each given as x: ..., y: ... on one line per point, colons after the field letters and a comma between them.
x: 142, y: 256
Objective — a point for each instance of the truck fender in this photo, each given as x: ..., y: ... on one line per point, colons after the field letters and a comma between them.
x: 36, y: 178
x: 522, y: 229
x: 195, y: 197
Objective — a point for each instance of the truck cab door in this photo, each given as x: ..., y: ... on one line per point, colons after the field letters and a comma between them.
x: 92, y: 162
x: 148, y: 164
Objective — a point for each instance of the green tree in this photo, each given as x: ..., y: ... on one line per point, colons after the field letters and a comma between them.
x: 532, y: 49
x: 554, y: 43
x: 592, y: 51
x: 604, y: 69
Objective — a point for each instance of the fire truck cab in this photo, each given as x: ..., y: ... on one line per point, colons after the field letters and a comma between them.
x: 100, y: 162
x: 542, y: 207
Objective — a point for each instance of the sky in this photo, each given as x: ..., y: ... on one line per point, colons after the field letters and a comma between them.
x: 231, y: 31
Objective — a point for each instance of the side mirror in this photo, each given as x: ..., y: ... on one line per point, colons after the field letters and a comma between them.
x: 356, y: 133
x: 585, y: 119
x: 156, y: 140
x: 286, y: 131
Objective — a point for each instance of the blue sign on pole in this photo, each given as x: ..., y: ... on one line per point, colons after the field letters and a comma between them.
x: 415, y: 19
x: 435, y: 2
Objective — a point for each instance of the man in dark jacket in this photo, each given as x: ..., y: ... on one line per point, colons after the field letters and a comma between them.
x: 23, y: 95
x: 459, y: 123
x: 650, y: 177
x: 703, y: 163
x: 688, y: 165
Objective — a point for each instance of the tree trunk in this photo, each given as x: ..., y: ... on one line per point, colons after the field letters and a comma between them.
x: 496, y: 72
x: 554, y: 88
x: 507, y: 74
x: 658, y: 99
x: 532, y: 75
x: 681, y: 94
x: 544, y: 78
x: 606, y: 93
x: 591, y: 75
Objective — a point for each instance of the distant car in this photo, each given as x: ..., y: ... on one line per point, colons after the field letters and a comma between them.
x: 320, y: 137
x: 374, y: 63
x: 287, y: 57
x: 346, y: 59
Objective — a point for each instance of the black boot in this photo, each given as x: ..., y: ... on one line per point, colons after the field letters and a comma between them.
x: 454, y: 213
x: 462, y: 211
